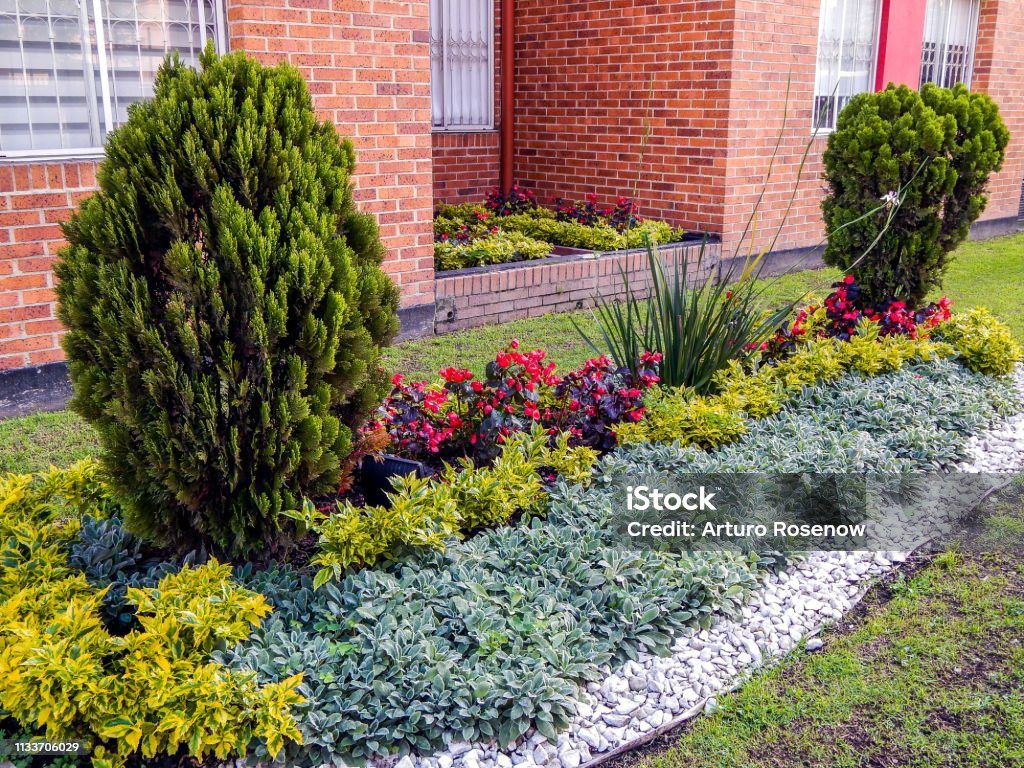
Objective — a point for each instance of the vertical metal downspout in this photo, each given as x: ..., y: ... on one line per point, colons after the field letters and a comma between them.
x: 507, y: 163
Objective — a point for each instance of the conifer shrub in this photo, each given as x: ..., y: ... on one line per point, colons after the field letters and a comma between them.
x: 225, y: 305
x: 906, y: 173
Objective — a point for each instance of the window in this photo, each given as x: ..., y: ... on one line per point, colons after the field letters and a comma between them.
x: 947, y: 55
x: 70, y: 68
x: 462, y: 64
x: 847, y: 51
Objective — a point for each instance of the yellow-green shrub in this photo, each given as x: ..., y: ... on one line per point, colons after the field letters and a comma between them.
x: 152, y: 691
x: 39, y: 516
x: 490, y: 496
x: 422, y: 514
x: 652, y: 230
x: 573, y: 464
x: 985, y: 342
x: 426, y: 512
x: 759, y: 394
x: 871, y: 356
x: 467, y: 213
x: 498, y: 248
x: 680, y: 415
x: 568, y: 233
x: 711, y: 421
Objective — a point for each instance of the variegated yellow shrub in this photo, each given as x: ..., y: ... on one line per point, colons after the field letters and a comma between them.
x: 713, y: 420
x: 152, y: 691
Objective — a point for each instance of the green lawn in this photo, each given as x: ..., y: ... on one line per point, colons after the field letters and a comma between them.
x: 933, y: 676
x: 984, y: 273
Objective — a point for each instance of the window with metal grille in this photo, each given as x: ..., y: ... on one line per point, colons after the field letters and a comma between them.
x: 462, y: 64
x: 69, y: 69
x: 947, y: 53
x: 847, y: 53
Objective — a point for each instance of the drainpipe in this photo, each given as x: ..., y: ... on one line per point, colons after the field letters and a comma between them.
x: 508, y: 60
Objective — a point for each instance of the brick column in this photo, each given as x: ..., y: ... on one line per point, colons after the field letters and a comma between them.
x: 999, y: 72
x: 367, y: 63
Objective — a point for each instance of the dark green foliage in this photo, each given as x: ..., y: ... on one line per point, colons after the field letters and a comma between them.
x: 225, y: 304
x: 935, y: 150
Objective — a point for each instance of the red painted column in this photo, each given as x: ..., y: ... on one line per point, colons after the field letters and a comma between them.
x: 899, y: 43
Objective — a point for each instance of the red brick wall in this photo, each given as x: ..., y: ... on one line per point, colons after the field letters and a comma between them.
x: 584, y: 95
x: 34, y: 197
x: 775, y: 48
x: 367, y: 63
x: 999, y: 71
x: 466, y: 164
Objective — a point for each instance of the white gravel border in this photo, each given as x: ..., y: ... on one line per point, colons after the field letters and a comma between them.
x: 647, y: 697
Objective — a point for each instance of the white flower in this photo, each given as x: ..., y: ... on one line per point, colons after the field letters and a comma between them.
x: 890, y: 199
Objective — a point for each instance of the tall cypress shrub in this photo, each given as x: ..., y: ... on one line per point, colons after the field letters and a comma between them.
x: 936, y: 149
x: 225, y: 305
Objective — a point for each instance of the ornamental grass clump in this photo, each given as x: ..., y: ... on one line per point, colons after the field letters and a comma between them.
x: 225, y: 305
x: 927, y: 156
x: 697, y: 323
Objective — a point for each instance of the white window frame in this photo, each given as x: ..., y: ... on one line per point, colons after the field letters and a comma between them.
x: 104, y: 104
x: 824, y: 130
x: 972, y: 36
x: 440, y: 44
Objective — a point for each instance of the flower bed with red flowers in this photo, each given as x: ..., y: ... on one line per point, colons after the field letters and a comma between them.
x: 462, y: 416
x: 511, y: 227
x: 839, y: 315
x: 620, y: 217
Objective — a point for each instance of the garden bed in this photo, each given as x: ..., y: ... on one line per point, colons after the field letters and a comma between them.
x: 445, y: 654
x: 509, y: 228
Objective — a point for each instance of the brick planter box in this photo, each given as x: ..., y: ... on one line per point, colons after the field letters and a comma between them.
x: 471, y: 297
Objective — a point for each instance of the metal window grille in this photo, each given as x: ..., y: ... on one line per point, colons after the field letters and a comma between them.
x: 69, y: 69
x: 847, y: 52
x: 462, y: 64
x: 947, y: 53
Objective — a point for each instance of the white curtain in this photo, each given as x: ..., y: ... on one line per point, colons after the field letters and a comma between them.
x: 847, y: 51
x: 462, y: 62
x: 59, y: 86
x: 948, y: 46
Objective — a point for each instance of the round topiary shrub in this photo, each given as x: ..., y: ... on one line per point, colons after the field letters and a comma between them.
x: 225, y: 305
x: 935, y: 149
